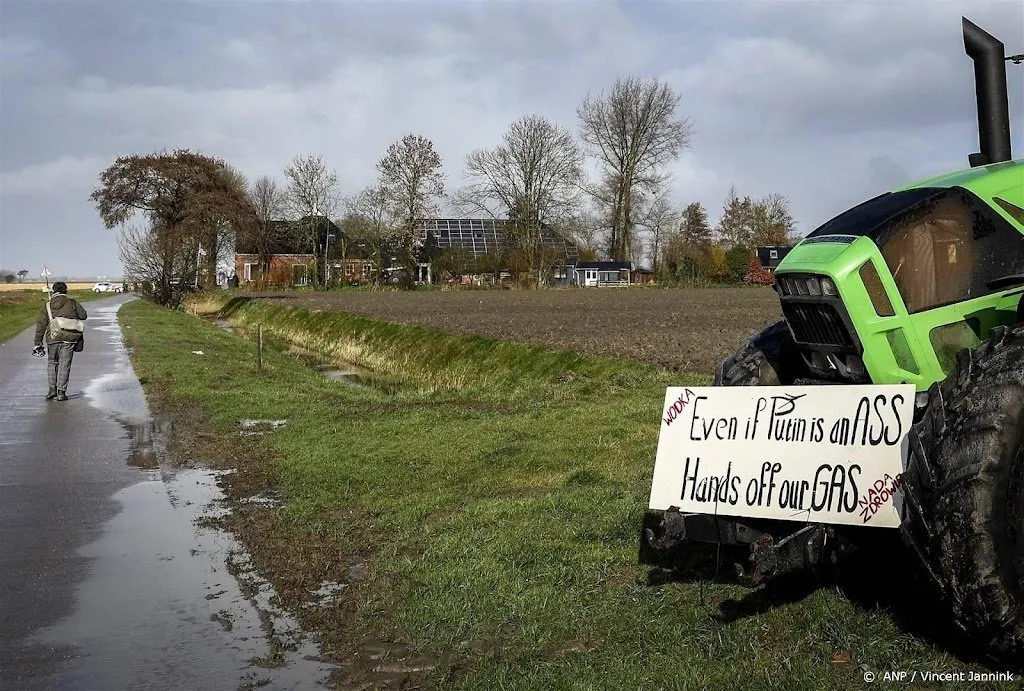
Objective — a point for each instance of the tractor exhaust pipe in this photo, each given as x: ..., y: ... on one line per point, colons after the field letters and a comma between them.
x: 989, y: 58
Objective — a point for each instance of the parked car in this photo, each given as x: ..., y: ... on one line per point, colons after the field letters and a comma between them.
x: 106, y: 287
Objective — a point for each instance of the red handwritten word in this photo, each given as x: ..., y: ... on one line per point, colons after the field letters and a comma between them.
x: 676, y: 408
x: 878, y: 495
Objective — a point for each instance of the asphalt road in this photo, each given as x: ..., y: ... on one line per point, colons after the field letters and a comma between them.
x: 105, y: 581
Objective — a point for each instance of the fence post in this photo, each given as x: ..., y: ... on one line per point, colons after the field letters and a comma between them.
x: 259, y: 359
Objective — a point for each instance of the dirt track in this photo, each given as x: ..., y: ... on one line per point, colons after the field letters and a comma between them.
x: 679, y: 329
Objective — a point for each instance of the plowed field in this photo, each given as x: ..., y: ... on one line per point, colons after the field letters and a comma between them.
x: 678, y: 329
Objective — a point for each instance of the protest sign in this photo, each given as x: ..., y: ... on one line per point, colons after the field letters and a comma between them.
x: 826, y: 454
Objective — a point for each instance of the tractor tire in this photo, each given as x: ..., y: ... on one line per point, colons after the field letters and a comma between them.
x: 963, y: 493
x: 769, y: 358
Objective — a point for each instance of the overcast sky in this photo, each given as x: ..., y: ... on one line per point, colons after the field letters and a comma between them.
x: 827, y: 102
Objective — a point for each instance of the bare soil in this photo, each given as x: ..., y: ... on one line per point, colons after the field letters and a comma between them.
x: 685, y: 329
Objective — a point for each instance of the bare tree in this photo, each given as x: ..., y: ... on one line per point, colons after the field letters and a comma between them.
x: 658, y: 217
x: 771, y: 221
x: 411, y: 180
x: 584, y: 229
x: 368, y: 219
x: 312, y: 194
x: 268, y: 203
x: 22, y: 275
x: 164, y: 260
x: 534, y: 176
x: 633, y: 132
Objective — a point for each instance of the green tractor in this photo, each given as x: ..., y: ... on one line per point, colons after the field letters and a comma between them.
x: 922, y: 285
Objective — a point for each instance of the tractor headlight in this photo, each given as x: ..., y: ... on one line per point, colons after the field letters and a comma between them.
x: 828, y: 287
x: 813, y: 286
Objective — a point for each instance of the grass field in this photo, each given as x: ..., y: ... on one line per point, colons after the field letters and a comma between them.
x: 482, y: 502
x: 19, y: 310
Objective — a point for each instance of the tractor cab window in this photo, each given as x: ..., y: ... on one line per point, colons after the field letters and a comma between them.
x: 946, y: 248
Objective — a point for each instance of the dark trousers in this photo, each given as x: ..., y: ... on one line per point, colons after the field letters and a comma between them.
x: 58, y: 364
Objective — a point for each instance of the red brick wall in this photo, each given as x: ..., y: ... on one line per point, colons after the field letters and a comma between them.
x: 281, y: 271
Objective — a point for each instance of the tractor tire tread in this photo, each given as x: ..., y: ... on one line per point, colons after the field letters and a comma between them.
x: 756, y: 361
x: 964, y: 486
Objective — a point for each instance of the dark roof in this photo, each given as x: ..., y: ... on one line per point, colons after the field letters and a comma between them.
x: 288, y: 241
x: 480, y: 236
x: 868, y: 218
x: 356, y: 249
x: 605, y: 266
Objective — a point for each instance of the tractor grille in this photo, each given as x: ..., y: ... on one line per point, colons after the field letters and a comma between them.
x: 816, y: 323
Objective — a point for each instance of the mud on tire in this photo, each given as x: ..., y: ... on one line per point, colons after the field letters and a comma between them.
x: 964, y: 493
x: 768, y: 358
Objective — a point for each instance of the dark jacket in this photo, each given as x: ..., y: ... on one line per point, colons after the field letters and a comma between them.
x: 61, y: 306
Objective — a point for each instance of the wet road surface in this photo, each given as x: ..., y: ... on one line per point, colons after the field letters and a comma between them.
x: 105, y: 580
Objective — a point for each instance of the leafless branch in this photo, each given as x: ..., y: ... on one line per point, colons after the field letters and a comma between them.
x: 633, y: 132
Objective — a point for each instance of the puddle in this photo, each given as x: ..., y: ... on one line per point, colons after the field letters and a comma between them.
x: 118, y: 392
x: 169, y: 599
x: 327, y: 593
x: 148, y: 443
x: 349, y: 376
x: 187, y: 598
x: 252, y: 428
x: 345, y: 373
x: 197, y: 494
x: 227, y: 326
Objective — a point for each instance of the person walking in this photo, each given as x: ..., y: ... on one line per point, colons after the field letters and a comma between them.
x: 62, y: 322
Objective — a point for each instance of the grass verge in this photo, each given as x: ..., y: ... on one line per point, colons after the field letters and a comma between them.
x: 485, y: 518
x: 20, y: 309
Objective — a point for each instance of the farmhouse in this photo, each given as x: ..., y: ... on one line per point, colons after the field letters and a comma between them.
x: 599, y: 273
x: 772, y: 255
x: 294, y: 254
x: 470, y: 248
x: 464, y: 250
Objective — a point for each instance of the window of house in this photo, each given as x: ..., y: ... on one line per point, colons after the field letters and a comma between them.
x: 249, y: 271
x: 300, y: 275
x: 947, y: 248
x: 773, y: 254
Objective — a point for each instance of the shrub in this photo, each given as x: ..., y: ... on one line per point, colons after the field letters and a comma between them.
x: 758, y: 275
x: 737, y: 259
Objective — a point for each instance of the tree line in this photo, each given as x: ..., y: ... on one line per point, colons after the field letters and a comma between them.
x: 177, y: 211
x: 9, y: 276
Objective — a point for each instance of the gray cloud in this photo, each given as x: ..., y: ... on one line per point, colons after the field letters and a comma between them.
x: 826, y: 102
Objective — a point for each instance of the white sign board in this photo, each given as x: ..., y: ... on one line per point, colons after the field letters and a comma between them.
x: 823, y: 454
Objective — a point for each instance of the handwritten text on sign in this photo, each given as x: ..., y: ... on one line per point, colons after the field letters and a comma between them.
x: 827, y: 454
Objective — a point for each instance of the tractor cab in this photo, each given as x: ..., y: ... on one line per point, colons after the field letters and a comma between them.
x: 889, y: 291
